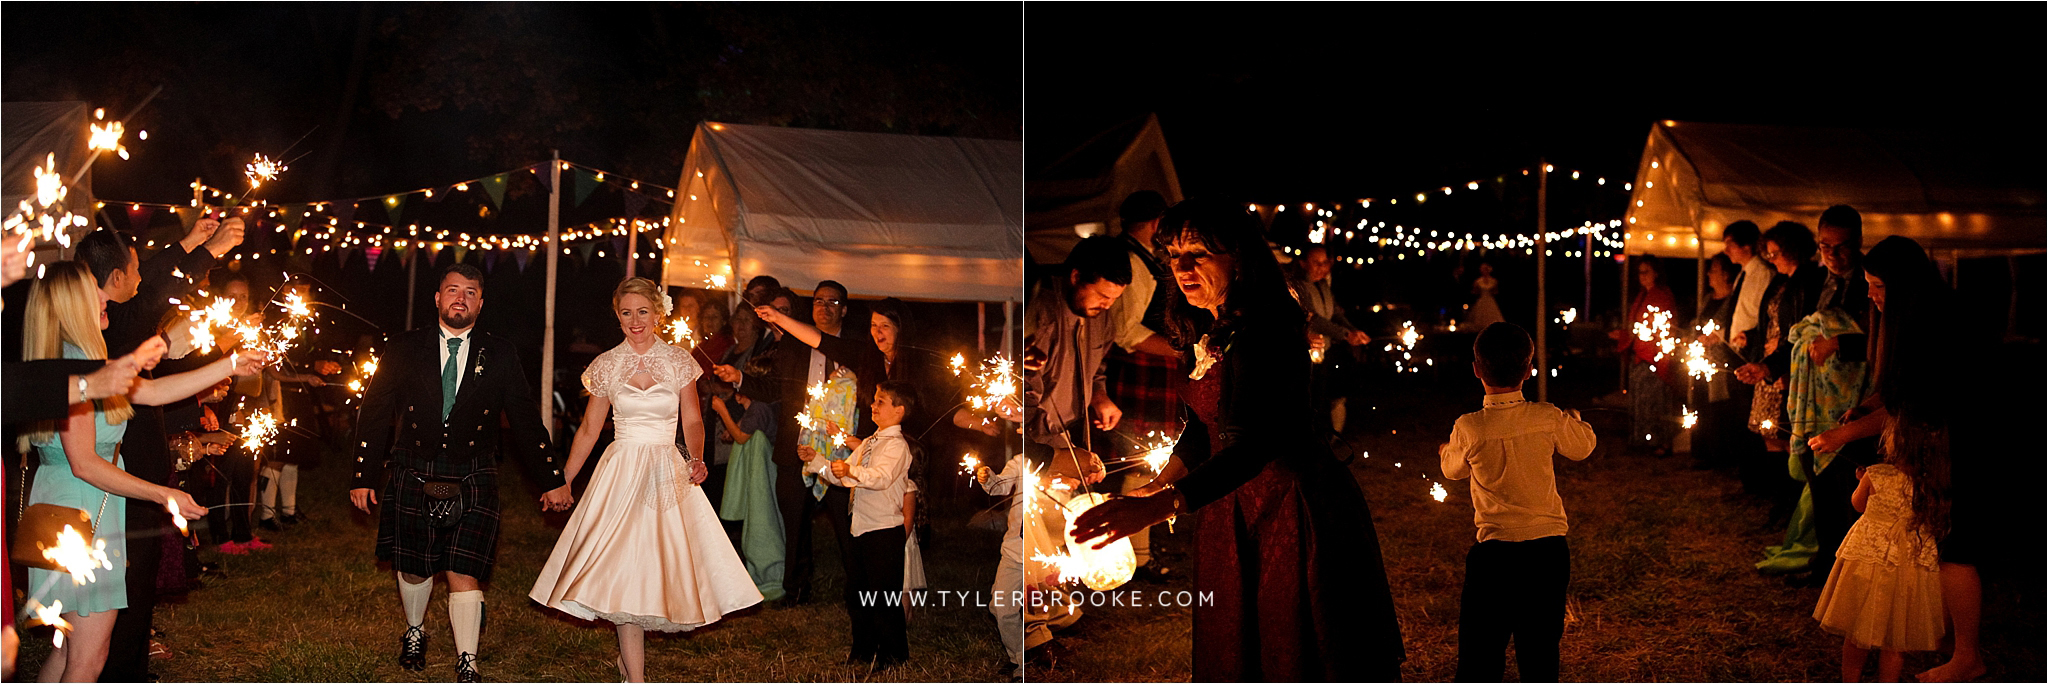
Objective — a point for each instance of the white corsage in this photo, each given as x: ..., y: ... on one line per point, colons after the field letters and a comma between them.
x: 1203, y: 359
x: 668, y: 304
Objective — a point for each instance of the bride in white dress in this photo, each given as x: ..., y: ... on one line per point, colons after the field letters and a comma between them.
x: 645, y: 549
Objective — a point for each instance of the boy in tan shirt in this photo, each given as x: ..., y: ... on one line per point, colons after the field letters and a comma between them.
x: 1515, y: 577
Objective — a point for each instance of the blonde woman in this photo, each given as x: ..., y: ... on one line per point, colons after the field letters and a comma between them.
x: 81, y: 466
x: 645, y: 549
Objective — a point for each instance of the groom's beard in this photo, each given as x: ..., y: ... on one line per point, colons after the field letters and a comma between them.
x: 458, y: 321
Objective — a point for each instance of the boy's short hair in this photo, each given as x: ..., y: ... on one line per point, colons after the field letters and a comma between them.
x: 901, y: 393
x: 1503, y: 351
x: 759, y: 366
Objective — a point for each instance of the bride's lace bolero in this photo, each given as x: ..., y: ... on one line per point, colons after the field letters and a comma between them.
x: 669, y: 365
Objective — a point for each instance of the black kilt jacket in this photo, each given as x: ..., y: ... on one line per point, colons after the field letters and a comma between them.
x: 401, y: 442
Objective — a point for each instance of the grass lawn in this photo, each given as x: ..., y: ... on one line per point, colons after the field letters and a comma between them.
x: 1662, y: 585
x: 318, y: 608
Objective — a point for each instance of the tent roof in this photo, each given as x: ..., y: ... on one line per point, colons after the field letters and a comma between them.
x: 887, y: 215
x: 1947, y: 190
x: 1087, y: 184
x: 34, y: 130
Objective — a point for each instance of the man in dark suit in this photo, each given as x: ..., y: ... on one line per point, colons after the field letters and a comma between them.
x: 427, y: 442
x: 798, y: 365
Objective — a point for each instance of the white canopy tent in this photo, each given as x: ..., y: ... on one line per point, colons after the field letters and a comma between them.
x: 1946, y: 191
x: 1079, y: 191
x: 889, y: 215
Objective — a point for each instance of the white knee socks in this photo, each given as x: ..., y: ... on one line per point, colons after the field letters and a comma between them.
x: 415, y: 597
x: 288, y: 489
x: 466, y: 615
x: 266, y: 497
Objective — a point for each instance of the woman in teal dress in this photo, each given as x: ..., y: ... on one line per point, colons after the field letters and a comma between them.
x: 80, y: 462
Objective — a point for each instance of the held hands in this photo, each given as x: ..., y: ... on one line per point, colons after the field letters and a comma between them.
x: 1358, y: 338
x: 202, y: 230
x: 363, y: 498
x: 698, y: 471
x: 226, y: 238
x: 557, y: 499
x: 806, y: 453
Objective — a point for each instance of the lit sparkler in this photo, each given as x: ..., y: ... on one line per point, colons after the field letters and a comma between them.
x: 263, y: 169
x: 969, y: 464
x: 259, y: 430
x: 1158, y: 449
x: 1688, y: 418
x: 996, y: 383
x: 176, y: 519
x: 959, y: 363
x: 77, y: 557
x: 1655, y: 326
x: 1437, y: 491
x: 364, y: 373
x: 680, y: 334
x: 52, y: 615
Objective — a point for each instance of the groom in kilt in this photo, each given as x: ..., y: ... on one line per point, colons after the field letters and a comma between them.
x: 445, y: 402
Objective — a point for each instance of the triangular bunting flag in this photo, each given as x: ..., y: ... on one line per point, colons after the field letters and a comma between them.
x: 394, y: 206
x: 583, y: 250
x: 495, y: 188
x: 618, y: 248
x: 542, y: 178
x: 341, y: 256
x: 371, y: 254
x: 138, y: 218
x: 438, y: 194
x: 584, y: 184
x: 521, y: 257
x: 292, y: 216
x: 346, y: 211
x: 634, y: 202
x: 461, y: 253
x: 490, y: 259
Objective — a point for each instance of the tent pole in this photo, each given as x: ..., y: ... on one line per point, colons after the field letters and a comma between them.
x: 1587, y: 251
x: 981, y: 329
x: 1627, y: 356
x: 1009, y: 305
x: 412, y: 281
x: 1542, y: 283
x: 547, y: 335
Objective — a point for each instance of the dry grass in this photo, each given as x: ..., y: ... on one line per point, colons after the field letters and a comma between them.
x: 318, y: 608
x: 1662, y: 586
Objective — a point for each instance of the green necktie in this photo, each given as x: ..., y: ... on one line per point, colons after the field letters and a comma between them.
x: 449, y: 373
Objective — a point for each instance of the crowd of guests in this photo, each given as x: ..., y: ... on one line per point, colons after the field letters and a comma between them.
x: 1832, y: 409
x: 113, y: 397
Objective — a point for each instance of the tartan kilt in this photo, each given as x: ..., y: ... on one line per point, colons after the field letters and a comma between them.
x: 1147, y: 388
x: 411, y: 542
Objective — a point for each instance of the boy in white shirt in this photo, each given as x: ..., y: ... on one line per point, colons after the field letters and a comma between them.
x: 1008, y: 596
x: 877, y: 473
x: 1516, y: 576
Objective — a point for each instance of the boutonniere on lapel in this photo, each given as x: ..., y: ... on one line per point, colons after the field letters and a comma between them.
x: 479, y: 363
x: 1204, y: 358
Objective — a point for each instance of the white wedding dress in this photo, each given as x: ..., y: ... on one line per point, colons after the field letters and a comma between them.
x: 644, y: 545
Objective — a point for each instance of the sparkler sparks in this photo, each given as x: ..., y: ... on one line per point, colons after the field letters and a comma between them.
x: 1696, y: 362
x: 959, y: 363
x: 77, y: 557
x: 263, y: 169
x: 996, y: 383
x: 1688, y: 417
x: 680, y: 334
x: 1569, y: 315
x: 52, y: 615
x: 260, y: 429
x: 1437, y: 491
x: 1157, y: 450
x: 1655, y: 326
x: 176, y: 519
x: 969, y: 464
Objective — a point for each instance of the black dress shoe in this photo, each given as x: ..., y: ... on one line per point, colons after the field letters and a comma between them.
x: 465, y: 668
x: 412, y: 649
x: 1154, y: 573
x: 269, y: 524
x: 292, y: 519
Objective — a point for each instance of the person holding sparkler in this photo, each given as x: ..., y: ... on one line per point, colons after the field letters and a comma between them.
x: 749, y: 495
x: 141, y: 295
x: 645, y: 550
x: 875, y: 476
x: 1794, y: 295
x: 811, y: 384
x: 1143, y: 370
x: 1517, y: 575
x: 1264, y: 484
x: 1652, y: 372
x: 83, y: 457
x: 428, y: 439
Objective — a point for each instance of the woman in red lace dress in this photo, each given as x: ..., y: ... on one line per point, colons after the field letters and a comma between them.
x: 1284, y: 542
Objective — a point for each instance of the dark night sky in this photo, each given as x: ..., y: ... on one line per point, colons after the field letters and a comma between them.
x: 402, y: 95
x: 1283, y: 104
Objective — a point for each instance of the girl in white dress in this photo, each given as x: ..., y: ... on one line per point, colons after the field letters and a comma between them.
x: 1485, y: 311
x: 645, y: 550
